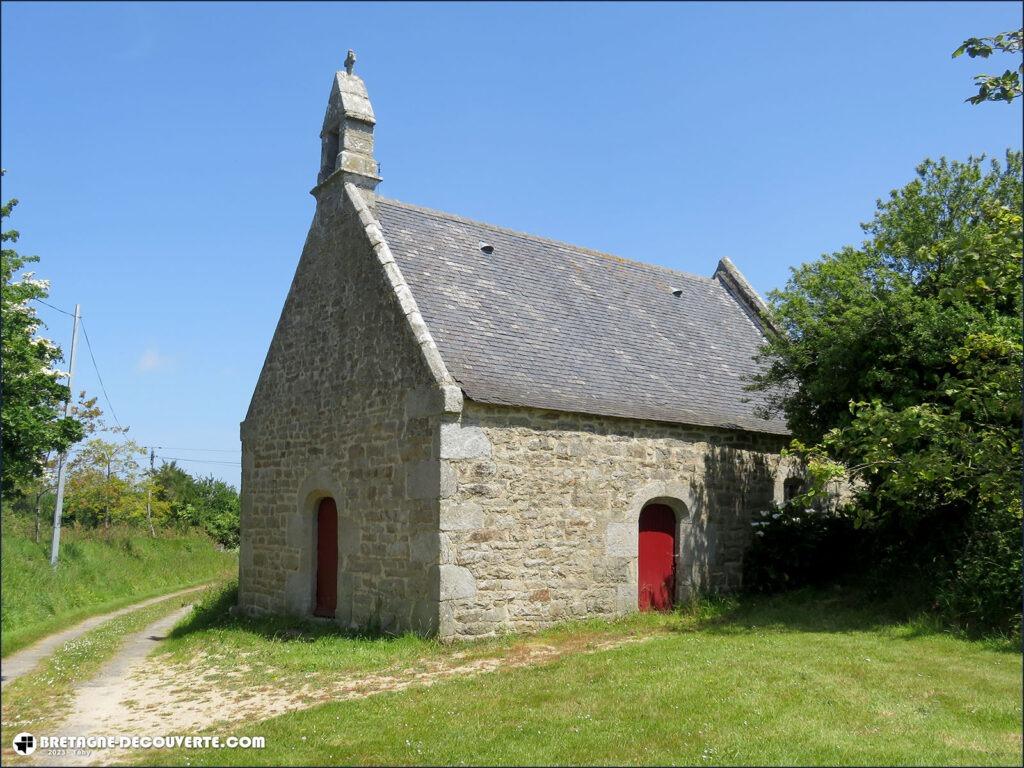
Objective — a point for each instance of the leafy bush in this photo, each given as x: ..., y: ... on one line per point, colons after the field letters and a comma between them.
x: 900, y: 368
x: 205, y: 503
x: 795, y: 546
x: 984, y: 589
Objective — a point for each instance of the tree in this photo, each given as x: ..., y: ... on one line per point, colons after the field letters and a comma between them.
x: 1005, y: 87
x: 105, y: 485
x: 206, y: 502
x: 900, y: 368
x: 32, y: 396
x: 89, y: 416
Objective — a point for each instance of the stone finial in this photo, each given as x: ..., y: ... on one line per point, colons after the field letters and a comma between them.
x: 347, y: 134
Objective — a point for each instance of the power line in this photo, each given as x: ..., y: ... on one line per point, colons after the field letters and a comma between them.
x: 202, y: 461
x: 92, y: 357
x: 113, y: 413
x: 96, y: 368
x: 45, y: 303
x: 110, y: 405
x: 205, y: 450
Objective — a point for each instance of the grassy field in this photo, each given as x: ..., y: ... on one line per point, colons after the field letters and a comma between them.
x: 812, y: 678
x: 98, y: 572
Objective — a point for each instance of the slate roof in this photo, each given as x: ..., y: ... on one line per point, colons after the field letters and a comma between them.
x: 550, y: 325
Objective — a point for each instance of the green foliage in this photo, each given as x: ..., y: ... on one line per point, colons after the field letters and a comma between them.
x: 206, y: 503
x: 1005, y: 87
x: 105, y: 485
x: 901, y: 366
x: 797, y: 545
x: 32, y: 397
x: 100, y: 570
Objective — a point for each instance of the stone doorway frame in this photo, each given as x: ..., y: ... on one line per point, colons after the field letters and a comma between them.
x: 623, y: 539
x: 301, y: 535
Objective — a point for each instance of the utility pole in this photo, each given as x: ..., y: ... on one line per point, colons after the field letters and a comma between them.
x: 106, y: 508
x: 61, y: 472
x: 149, y: 493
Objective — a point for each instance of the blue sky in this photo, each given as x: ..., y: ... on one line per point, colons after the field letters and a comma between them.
x: 163, y: 154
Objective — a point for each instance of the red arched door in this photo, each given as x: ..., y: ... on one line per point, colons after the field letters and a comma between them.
x: 326, y: 559
x: 657, y: 566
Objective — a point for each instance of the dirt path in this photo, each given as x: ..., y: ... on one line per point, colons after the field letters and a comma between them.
x: 163, y: 702
x: 139, y: 694
x: 99, y: 707
x: 25, y: 660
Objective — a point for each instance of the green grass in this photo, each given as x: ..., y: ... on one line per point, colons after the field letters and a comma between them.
x: 811, y: 678
x: 289, y: 650
x: 38, y: 701
x: 282, y: 650
x: 98, y: 572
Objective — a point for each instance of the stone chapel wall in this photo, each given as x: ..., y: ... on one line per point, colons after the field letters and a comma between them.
x: 345, y: 407
x: 540, y: 512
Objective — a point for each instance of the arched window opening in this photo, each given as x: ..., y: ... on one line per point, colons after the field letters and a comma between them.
x: 328, y: 154
x: 791, y: 488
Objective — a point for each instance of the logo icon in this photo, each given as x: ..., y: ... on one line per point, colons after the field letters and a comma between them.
x: 24, y: 743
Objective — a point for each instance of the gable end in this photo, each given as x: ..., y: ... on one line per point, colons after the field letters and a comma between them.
x: 403, y: 294
x: 749, y: 299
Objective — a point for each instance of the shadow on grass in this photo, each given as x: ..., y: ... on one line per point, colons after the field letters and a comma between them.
x: 813, y: 610
x: 837, y: 609
x: 218, y: 610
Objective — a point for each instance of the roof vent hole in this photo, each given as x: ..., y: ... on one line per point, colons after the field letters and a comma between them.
x: 486, y: 248
x: 677, y: 292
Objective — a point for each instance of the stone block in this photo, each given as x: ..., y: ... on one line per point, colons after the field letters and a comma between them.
x: 245, y: 554
x: 290, y: 560
x: 423, y: 480
x: 459, y: 442
x: 457, y: 583
x: 448, y: 483
x: 461, y: 517
x: 626, y: 598
x: 423, y: 402
x: 446, y: 550
x: 349, y: 534
x: 299, y: 533
x: 621, y: 540
x: 298, y: 593
x: 425, y: 547
x: 453, y: 400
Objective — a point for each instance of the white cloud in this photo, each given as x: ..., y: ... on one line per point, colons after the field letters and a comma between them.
x: 152, y: 360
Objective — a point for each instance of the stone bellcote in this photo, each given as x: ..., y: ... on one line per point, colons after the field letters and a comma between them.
x: 347, y: 135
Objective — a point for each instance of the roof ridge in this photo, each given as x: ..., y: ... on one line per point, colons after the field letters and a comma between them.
x: 541, y: 238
